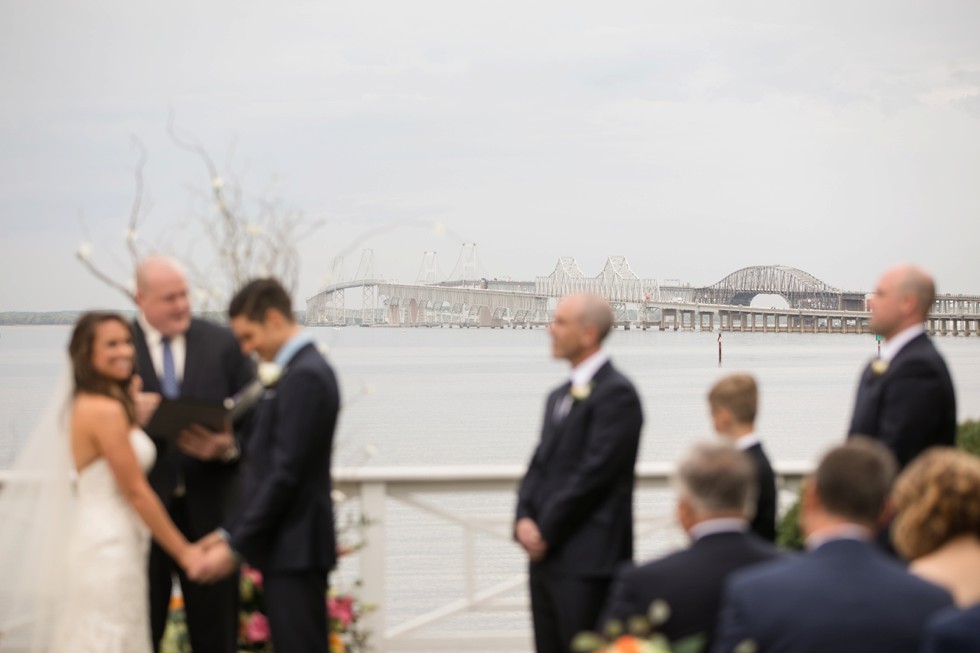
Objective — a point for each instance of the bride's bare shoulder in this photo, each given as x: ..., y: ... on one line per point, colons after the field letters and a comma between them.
x: 96, y: 407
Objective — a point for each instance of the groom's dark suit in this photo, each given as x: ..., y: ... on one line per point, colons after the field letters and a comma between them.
x: 286, y: 526
x: 578, y: 489
x: 911, y: 406
x: 214, y: 369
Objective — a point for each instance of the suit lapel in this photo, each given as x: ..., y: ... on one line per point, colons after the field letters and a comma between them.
x: 192, y: 360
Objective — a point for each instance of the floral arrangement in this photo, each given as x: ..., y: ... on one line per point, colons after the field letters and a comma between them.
x: 638, y: 636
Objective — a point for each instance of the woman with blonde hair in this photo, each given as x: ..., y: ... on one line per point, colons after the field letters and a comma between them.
x: 937, y: 527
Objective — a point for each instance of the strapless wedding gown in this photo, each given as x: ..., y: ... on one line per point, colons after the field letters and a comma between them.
x: 107, y: 610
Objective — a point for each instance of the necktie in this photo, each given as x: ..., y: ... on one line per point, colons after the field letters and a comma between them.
x: 169, y: 384
x: 564, y: 403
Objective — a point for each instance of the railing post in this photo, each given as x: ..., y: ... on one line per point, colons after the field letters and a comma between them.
x: 372, y: 561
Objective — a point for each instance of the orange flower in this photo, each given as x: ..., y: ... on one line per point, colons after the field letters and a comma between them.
x: 336, y: 644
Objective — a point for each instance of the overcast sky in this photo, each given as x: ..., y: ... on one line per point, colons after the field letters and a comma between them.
x: 695, y: 138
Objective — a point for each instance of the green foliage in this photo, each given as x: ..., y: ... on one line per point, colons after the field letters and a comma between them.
x: 789, y: 533
x: 968, y: 437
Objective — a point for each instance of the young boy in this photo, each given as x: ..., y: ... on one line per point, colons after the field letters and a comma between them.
x: 733, y: 401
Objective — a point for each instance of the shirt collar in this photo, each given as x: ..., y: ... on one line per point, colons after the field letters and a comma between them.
x: 289, y: 349
x: 894, y: 344
x: 151, y: 334
x: 841, y: 532
x: 720, y: 525
x: 583, y: 373
x: 747, y: 441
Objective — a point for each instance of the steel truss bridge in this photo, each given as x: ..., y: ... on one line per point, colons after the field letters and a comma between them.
x: 483, y: 302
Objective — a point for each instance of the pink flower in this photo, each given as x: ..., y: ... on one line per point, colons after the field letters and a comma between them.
x: 341, y: 608
x: 253, y: 575
x: 257, y: 628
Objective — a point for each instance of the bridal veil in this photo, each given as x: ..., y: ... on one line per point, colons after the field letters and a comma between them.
x: 36, y: 511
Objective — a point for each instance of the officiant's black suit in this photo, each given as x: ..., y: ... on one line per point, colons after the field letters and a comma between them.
x: 579, y: 491
x: 214, y: 369
x: 911, y: 406
x: 690, y: 582
x: 286, y: 527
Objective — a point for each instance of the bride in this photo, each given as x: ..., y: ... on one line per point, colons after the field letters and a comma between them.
x: 78, y: 579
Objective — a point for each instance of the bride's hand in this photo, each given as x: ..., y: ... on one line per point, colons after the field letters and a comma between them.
x: 192, y: 560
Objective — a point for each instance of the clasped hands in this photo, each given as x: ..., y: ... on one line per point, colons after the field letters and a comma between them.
x: 209, y: 559
x: 529, y: 537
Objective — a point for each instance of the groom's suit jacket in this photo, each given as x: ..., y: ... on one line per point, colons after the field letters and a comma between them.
x: 286, y: 521
x: 579, y: 485
x: 911, y: 406
x: 214, y: 369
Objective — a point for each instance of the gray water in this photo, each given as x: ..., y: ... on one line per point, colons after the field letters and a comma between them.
x: 475, y: 396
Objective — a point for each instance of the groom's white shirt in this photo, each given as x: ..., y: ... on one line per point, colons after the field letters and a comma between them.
x: 154, y: 342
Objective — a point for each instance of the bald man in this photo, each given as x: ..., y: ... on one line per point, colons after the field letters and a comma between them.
x: 905, y: 399
x: 575, y: 505
x: 183, y: 357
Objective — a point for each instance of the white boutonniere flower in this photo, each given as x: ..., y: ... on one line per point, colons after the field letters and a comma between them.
x: 580, y: 392
x: 879, y: 367
x: 269, y: 373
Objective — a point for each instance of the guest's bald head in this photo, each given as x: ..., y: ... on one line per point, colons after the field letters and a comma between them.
x: 582, y: 321
x: 903, y: 297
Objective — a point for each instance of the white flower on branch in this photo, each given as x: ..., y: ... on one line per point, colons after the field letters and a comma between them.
x: 253, y: 229
x: 217, y: 183
x: 84, y: 251
x: 370, y: 451
x: 439, y: 228
x: 130, y: 235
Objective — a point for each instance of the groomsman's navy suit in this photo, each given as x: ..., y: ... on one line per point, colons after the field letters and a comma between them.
x: 579, y: 491
x: 690, y: 582
x: 214, y: 369
x: 911, y: 406
x: 286, y: 524
x: 953, y: 631
x: 764, y: 521
x: 843, y: 597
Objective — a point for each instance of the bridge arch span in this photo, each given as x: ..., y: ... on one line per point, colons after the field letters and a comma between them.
x: 799, y: 288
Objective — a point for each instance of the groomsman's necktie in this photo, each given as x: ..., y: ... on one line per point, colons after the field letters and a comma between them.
x: 169, y: 384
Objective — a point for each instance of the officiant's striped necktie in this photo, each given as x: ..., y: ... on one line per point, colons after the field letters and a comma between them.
x: 169, y: 384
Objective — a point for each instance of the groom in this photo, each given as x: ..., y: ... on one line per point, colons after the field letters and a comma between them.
x: 285, y: 527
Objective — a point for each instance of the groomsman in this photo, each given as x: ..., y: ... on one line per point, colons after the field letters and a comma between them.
x: 575, y: 505
x: 905, y: 399
x: 286, y: 525
x: 181, y: 356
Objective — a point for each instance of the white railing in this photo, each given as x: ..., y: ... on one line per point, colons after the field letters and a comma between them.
x: 395, y: 500
x: 435, y: 588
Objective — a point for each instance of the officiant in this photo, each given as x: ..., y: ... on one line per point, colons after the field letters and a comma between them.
x: 196, y: 473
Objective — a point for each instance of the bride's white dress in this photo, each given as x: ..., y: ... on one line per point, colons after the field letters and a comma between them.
x: 107, y: 609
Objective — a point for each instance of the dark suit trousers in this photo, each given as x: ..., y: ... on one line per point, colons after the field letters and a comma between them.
x: 296, y: 605
x: 212, y: 610
x: 564, y: 606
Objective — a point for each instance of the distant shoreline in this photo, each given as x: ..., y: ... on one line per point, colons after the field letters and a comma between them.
x: 61, y: 318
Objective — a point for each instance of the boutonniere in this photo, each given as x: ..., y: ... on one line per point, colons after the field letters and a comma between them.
x: 580, y: 392
x: 269, y: 373
x: 879, y: 366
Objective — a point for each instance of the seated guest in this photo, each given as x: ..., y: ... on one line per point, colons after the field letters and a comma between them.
x: 937, y: 526
x: 845, y: 594
x: 953, y: 631
x: 715, y: 495
x: 734, y: 402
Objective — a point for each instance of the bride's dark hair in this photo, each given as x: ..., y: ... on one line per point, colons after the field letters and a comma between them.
x: 87, y: 379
